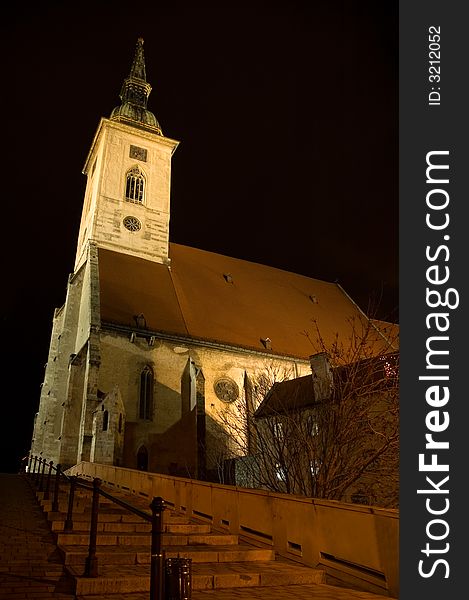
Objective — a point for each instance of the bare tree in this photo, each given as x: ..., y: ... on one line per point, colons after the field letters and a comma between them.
x: 332, y: 434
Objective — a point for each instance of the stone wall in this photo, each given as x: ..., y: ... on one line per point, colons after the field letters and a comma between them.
x: 57, y: 442
x: 48, y: 419
x: 59, y: 427
x: 173, y: 435
x: 107, y: 446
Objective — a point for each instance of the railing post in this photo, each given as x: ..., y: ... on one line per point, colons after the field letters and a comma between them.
x: 30, y: 463
x: 91, y: 565
x: 34, y: 467
x: 23, y: 462
x: 55, y: 501
x: 46, y: 493
x: 68, y: 525
x: 41, y: 477
x: 156, y: 575
x: 38, y: 472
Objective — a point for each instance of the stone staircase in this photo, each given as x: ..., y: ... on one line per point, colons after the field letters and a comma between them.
x: 219, y: 560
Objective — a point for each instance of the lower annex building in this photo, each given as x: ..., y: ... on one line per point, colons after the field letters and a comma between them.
x: 155, y: 340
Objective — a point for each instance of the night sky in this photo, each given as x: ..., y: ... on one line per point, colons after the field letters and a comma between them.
x: 286, y: 113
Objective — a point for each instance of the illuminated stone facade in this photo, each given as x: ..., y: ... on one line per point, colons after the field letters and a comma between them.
x: 145, y: 387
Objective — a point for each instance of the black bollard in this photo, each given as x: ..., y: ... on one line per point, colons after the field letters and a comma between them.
x: 178, y: 579
x: 156, y: 574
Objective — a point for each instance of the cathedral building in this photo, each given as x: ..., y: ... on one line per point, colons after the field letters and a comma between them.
x: 155, y: 340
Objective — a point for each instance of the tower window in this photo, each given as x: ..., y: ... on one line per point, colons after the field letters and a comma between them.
x: 146, y: 394
x: 135, y: 185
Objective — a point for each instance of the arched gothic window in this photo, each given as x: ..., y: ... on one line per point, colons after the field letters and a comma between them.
x: 146, y: 394
x: 142, y: 459
x: 105, y: 420
x: 135, y: 185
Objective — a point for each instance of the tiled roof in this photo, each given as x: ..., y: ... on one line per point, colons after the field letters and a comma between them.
x: 214, y: 297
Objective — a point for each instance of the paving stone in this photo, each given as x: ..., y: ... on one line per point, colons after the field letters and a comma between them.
x: 31, y: 565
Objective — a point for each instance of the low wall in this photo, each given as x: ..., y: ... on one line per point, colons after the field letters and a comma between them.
x: 357, y: 545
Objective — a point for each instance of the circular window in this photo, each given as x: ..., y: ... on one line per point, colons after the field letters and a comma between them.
x: 226, y: 389
x: 132, y: 224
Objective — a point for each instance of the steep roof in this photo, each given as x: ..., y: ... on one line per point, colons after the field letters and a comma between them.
x: 213, y: 297
x: 287, y: 396
x: 367, y: 376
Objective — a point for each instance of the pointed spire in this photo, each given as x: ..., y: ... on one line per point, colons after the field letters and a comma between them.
x: 134, y: 96
x: 138, y: 66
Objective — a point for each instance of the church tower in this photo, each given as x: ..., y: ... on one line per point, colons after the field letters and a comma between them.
x: 127, y: 199
x: 126, y: 210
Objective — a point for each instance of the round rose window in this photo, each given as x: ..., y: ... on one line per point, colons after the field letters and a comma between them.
x: 132, y: 224
x: 226, y: 389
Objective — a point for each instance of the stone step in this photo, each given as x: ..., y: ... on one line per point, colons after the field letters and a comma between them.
x: 168, y: 517
x: 131, y: 579
x: 83, y: 503
x: 109, y: 526
x: 187, y: 528
x: 63, y: 490
x: 121, y: 516
x: 144, y: 539
x: 140, y: 555
x: 78, y: 506
x: 219, y: 561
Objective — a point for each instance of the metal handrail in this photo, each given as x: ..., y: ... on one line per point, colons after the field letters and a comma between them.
x: 126, y: 505
x: 157, y: 507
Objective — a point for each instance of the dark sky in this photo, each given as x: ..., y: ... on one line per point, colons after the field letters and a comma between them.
x: 287, y: 117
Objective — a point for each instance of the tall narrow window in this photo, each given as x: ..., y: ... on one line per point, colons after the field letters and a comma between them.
x: 105, y: 420
x: 146, y: 394
x: 142, y: 459
x: 135, y: 185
